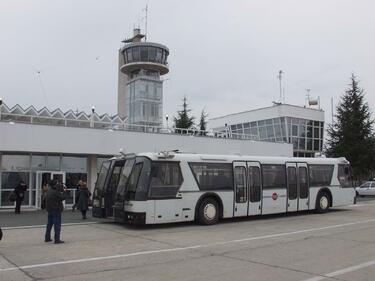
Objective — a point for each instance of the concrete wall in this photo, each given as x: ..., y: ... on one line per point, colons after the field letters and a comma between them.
x: 20, y: 137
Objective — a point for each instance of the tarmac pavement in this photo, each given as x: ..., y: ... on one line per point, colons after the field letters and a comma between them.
x: 338, y: 245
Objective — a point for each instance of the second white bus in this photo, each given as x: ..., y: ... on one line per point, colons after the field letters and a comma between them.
x: 171, y: 187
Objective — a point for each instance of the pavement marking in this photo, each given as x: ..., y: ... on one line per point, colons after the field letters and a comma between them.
x: 362, y: 205
x: 342, y: 271
x: 183, y: 248
x: 43, y: 225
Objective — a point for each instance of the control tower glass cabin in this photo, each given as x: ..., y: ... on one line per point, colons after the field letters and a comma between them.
x: 140, y: 89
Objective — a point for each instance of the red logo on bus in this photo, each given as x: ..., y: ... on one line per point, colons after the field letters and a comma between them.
x: 274, y: 196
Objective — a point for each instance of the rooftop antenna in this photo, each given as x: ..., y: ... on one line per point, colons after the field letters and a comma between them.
x: 308, y: 95
x: 280, y: 76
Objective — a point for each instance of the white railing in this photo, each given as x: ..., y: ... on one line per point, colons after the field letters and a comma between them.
x: 119, y: 126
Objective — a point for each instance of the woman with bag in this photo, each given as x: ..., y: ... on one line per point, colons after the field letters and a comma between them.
x: 20, y: 195
x: 83, y: 199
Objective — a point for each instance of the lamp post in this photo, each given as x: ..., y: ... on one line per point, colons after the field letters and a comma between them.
x: 92, y: 117
x: 1, y: 106
x: 166, y: 119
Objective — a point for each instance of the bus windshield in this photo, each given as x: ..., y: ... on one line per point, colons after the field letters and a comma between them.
x: 125, y: 176
x: 103, y: 174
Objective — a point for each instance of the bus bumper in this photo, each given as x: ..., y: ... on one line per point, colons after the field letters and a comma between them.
x: 122, y: 216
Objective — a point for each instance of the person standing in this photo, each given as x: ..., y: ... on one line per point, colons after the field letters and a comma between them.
x: 19, y: 191
x: 83, y: 199
x: 76, y: 195
x: 54, y: 206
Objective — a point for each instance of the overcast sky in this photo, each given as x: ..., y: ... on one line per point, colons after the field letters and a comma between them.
x: 224, y: 55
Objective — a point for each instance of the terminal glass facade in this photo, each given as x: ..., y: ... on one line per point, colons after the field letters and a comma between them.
x: 36, y: 170
x: 305, y: 135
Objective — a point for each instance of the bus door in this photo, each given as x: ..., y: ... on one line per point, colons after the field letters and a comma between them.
x: 240, y: 189
x: 298, y: 187
x: 292, y: 187
x: 247, y: 199
x: 111, y: 188
x: 303, y: 187
x: 255, y: 189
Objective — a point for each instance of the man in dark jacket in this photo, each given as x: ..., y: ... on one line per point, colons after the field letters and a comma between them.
x: 19, y: 191
x: 54, y: 206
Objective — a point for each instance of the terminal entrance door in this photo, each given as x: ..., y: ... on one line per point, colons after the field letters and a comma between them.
x: 42, y: 179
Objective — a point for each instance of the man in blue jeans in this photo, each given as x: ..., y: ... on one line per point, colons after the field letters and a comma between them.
x: 54, y: 206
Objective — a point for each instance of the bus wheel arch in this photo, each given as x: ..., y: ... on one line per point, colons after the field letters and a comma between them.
x: 321, y: 206
x: 212, y: 199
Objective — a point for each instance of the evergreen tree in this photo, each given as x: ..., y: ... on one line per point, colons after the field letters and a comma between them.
x: 183, y: 119
x: 203, y: 123
x: 351, y: 134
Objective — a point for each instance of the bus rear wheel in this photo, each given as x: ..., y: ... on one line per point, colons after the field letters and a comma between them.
x: 208, y: 211
x: 322, y: 202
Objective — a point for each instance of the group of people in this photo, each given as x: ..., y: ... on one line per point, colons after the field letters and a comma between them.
x: 53, y: 195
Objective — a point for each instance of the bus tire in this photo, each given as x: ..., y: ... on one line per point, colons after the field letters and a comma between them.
x: 208, y: 211
x: 322, y: 202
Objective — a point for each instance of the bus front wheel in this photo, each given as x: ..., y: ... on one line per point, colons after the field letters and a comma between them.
x: 208, y: 212
x: 322, y: 202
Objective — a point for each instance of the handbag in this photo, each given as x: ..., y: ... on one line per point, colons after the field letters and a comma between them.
x: 12, y: 197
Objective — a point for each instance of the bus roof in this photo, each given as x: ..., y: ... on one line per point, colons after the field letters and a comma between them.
x: 192, y: 157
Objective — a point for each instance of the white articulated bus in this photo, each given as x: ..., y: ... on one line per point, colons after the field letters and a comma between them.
x: 175, y: 187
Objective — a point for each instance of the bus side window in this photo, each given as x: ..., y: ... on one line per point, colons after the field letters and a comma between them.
x: 166, y: 180
x: 274, y: 176
x: 344, y: 175
x: 320, y: 175
x: 213, y: 176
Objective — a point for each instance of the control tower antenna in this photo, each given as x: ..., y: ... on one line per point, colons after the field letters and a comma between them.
x: 279, y: 76
x: 146, y: 11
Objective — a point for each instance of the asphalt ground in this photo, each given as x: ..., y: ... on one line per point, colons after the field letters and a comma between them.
x: 37, y: 218
x: 338, y: 245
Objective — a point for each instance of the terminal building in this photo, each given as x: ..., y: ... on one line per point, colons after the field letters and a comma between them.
x: 37, y: 145
x: 301, y: 126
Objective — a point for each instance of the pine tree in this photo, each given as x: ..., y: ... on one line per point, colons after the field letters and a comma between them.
x: 203, y: 123
x: 183, y: 119
x: 351, y: 134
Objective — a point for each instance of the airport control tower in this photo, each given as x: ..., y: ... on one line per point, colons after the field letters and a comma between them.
x: 140, y: 88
